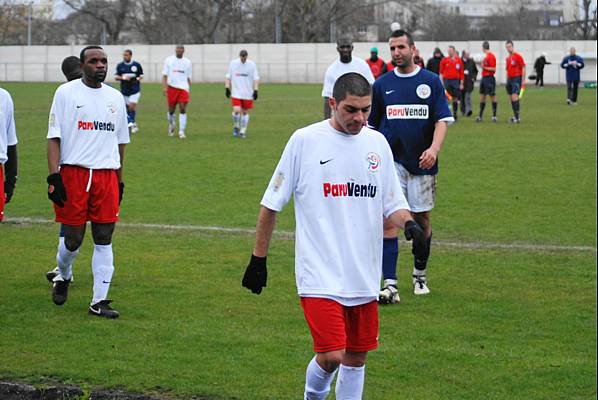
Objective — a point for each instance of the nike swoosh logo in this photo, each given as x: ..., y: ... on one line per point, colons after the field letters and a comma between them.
x: 389, y: 91
x: 81, y: 106
x: 106, y: 282
x: 324, y: 162
x: 93, y: 310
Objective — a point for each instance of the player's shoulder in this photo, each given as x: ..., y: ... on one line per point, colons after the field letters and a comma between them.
x: 112, y: 91
x: 314, y: 129
x: 69, y: 86
x: 4, y: 93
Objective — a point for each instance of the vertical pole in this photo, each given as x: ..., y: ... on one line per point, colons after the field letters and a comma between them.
x: 277, y: 26
x: 29, y: 12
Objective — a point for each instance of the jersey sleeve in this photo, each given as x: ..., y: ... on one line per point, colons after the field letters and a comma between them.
x: 118, y: 70
x: 377, y: 111
x: 580, y: 63
x: 190, y: 70
x: 229, y: 71
x: 123, y: 128
x: 284, y: 181
x: 56, y: 112
x: 441, y: 111
x: 521, y: 61
x: 166, y: 69
x: 256, y: 75
x: 328, y: 83
x: 139, y: 70
x: 393, y: 198
x: 11, y: 130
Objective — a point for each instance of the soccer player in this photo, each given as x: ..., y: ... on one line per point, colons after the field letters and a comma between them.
x: 572, y: 63
x: 345, y: 63
x: 488, y: 83
x: 409, y: 107
x: 342, y: 178
x: 130, y: 74
x: 515, y: 79
x: 451, y: 72
x: 243, y: 79
x: 377, y: 65
x: 8, y: 150
x: 87, y: 134
x: 176, y: 84
x: 71, y: 68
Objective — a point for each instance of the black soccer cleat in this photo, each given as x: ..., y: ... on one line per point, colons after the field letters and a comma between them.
x: 103, y: 309
x: 50, y: 275
x: 60, y: 291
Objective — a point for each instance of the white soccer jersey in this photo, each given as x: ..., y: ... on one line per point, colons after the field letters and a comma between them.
x: 90, y: 124
x: 343, y: 185
x: 338, y: 68
x: 242, y: 75
x: 8, y: 132
x: 178, y: 71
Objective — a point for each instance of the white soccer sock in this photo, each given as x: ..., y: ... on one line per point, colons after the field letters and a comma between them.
x: 317, y: 381
x: 349, y: 384
x: 64, y: 260
x: 236, y: 120
x: 244, y: 122
x: 182, y: 122
x: 102, y: 267
x: 170, y: 118
x: 419, y: 272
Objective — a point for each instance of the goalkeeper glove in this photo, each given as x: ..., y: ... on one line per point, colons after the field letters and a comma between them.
x: 227, y: 92
x: 9, y: 187
x: 255, y: 95
x: 414, y: 232
x: 56, y: 189
x: 121, y: 191
x: 256, y: 274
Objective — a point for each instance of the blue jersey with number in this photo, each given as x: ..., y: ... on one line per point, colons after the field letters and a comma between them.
x: 405, y: 109
x: 134, y: 70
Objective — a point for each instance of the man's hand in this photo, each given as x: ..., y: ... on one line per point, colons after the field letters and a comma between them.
x: 414, y: 232
x: 256, y: 274
x: 9, y: 187
x: 255, y: 95
x: 56, y: 189
x: 227, y: 92
x: 121, y: 191
x: 428, y: 158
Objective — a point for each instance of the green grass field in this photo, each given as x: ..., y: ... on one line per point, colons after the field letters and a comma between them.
x: 501, y: 322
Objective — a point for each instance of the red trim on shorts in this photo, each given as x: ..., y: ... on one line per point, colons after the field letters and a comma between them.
x: 2, y: 198
x: 176, y: 95
x: 243, y: 103
x: 99, y: 204
x: 337, y: 327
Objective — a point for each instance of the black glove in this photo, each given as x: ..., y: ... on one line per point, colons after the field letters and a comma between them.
x: 121, y: 191
x: 9, y: 187
x: 256, y: 274
x: 414, y: 232
x: 56, y: 189
x: 227, y: 92
x: 255, y: 95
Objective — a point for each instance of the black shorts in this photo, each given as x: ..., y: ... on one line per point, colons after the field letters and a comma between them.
x: 514, y: 85
x: 488, y: 85
x: 452, y: 87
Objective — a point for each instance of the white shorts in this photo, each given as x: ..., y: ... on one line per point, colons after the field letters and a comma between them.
x: 419, y: 190
x: 134, y: 98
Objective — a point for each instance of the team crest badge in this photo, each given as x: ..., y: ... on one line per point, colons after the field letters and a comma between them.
x: 423, y: 91
x: 134, y: 68
x: 373, y: 160
x: 111, y: 108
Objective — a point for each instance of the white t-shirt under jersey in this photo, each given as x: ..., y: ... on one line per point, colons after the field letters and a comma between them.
x: 8, y: 133
x: 90, y: 124
x: 342, y: 185
x: 242, y: 75
x: 338, y: 68
x: 178, y: 71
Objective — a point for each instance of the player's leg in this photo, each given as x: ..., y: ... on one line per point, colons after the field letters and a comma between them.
x: 420, y: 266
x: 102, y: 265
x: 68, y: 249
x: 351, y: 376
x: 389, y: 294
x: 575, y: 89
x: 132, y: 111
x: 236, y: 116
x: 171, y: 98
x: 244, y: 122
x: 50, y: 275
x: 482, y: 100
x: 468, y: 108
x: 182, y: 119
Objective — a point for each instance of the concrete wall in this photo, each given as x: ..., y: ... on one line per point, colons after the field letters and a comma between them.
x: 277, y: 63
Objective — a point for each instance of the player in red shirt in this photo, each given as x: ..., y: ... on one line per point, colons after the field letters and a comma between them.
x: 515, y: 79
x: 451, y: 73
x: 488, y: 83
x: 377, y: 65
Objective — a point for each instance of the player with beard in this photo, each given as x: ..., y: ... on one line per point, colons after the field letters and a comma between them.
x: 346, y: 63
x: 87, y: 134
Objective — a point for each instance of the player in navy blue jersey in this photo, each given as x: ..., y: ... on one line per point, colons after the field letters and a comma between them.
x: 410, y: 108
x: 130, y: 74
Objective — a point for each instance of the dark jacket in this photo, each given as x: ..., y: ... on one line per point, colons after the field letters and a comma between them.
x: 539, y: 64
x: 572, y: 69
x: 470, y: 73
x: 434, y: 62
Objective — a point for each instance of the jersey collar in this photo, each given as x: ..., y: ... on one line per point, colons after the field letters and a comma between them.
x: 409, y: 75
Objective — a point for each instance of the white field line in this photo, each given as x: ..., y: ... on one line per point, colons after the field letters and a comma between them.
x: 291, y: 235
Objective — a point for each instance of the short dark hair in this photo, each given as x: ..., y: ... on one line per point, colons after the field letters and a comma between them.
x: 509, y: 42
x: 82, y: 54
x: 400, y: 32
x: 71, y: 68
x: 344, y: 40
x: 351, y: 83
x: 243, y: 53
x: 486, y: 45
x: 128, y: 51
x: 452, y: 47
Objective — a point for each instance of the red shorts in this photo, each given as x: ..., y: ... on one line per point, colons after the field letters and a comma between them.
x: 244, y: 104
x: 95, y: 201
x: 337, y: 327
x: 176, y: 96
x: 2, y: 199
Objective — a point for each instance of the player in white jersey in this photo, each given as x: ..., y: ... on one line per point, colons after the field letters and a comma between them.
x: 8, y: 150
x: 87, y: 134
x: 342, y: 177
x: 243, y: 79
x: 345, y: 63
x: 176, y: 84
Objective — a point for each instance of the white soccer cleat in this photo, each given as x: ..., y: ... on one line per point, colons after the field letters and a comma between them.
x: 134, y: 128
x: 389, y: 295
x: 171, y: 129
x: 420, y: 285
x: 182, y: 135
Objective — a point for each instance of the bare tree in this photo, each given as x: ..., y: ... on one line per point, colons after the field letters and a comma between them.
x: 202, y: 17
x: 13, y: 24
x: 584, y: 26
x: 112, y: 14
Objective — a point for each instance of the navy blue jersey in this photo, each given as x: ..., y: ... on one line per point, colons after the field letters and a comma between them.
x: 405, y: 109
x: 134, y: 70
